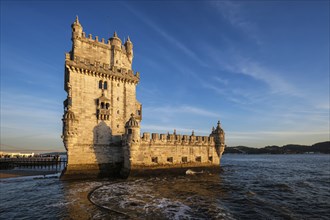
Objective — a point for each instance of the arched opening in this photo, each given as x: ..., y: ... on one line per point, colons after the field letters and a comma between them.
x: 107, y: 106
x: 100, y: 84
x: 105, y: 85
x: 102, y: 105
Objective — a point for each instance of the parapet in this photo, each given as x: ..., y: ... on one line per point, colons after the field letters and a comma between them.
x: 85, y: 66
x: 176, y: 139
x: 105, y: 44
x: 113, y: 51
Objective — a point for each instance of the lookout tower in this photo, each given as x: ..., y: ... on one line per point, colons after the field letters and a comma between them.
x: 101, y: 96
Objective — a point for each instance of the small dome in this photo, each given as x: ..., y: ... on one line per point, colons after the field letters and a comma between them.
x: 76, y: 22
x: 218, y: 130
x: 69, y: 115
x: 115, y: 40
x: 132, y: 122
x: 128, y: 41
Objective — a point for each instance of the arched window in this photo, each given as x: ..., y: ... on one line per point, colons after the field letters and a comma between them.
x: 107, y: 106
x: 105, y: 85
x: 100, y: 84
x: 102, y: 105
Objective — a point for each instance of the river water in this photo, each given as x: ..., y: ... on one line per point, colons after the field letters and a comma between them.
x: 248, y: 187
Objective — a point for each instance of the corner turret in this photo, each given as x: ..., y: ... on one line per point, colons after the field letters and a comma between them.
x: 219, y: 138
x: 129, y: 49
x: 116, y: 51
x: 69, y: 128
x: 219, y: 135
x: 131, y: 144
x: 115, y: 41
x: 132, y: 129
x: 76, y: 29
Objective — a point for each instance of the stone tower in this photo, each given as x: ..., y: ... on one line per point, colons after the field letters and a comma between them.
x: 131, y: 144
x: 101, y: 96
x: 101, y: 121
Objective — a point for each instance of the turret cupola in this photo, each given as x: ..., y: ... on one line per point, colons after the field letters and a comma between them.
x: 76, y: 29
x: 218, y: 130
x: 132, y: 122
x: 69, y: 115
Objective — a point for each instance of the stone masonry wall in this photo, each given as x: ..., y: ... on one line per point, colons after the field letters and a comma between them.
x: 92, y: 50
x: 172, y: 150
x: 91, y: 131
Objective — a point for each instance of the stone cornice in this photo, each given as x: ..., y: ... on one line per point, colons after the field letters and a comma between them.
x: 103, y: 71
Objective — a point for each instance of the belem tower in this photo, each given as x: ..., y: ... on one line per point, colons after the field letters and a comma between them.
x: 101, y: 121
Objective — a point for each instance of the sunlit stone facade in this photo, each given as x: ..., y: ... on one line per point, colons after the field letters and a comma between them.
x: 101, y: 121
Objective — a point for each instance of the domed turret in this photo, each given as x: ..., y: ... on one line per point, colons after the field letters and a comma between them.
x: 132, y: 122
x: 218, y: 130
x: 115, y: 41
x: 69, y: 125
x: 76, y: 29
x: 69, y: 115
x: 132, y: 129
x: 219, y: 135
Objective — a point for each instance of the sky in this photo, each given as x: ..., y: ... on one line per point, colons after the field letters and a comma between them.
x: 260, y: 67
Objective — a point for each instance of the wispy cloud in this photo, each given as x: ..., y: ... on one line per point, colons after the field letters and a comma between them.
x: 270, y: 77
x: 278, y: 133
x: 165, y: 35
x: 234, y: 14
x: 183, y: 109
x: 18, y: 63
x: 234, y: 94
x: 221, y: 80
x: 234, y: 62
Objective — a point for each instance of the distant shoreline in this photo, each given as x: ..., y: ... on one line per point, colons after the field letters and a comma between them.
x: 318, y: 148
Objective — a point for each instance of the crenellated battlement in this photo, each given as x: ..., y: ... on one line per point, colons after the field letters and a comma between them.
x: 176, y: 139
x: 159, y: 151
x: 112, y: 52
x: 81, y: 35
x: 106, y: 44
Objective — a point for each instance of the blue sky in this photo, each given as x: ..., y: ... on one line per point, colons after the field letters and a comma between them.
x: 261, y: 67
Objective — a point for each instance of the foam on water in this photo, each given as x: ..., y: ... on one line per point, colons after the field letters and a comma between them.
x: 172, y: 198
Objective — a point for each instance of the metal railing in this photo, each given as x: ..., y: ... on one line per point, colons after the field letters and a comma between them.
x: 34, y: 163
